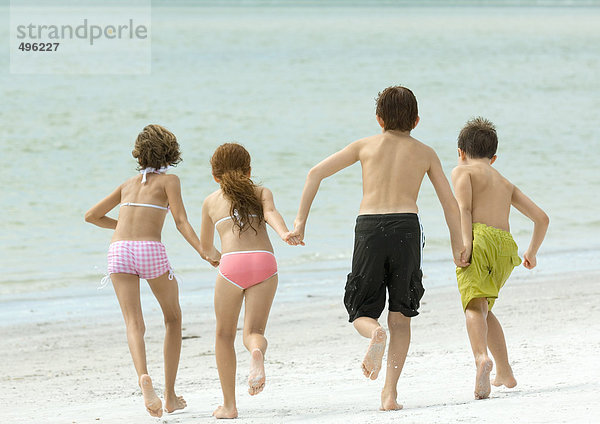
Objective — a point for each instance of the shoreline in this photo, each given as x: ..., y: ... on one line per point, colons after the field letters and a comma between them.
x: 71, y: 298
x: 313, y: 363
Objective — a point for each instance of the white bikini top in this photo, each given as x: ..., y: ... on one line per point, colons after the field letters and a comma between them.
x: 237, y: 217
x: 153, y: 171
x: 146, y: 205
x: 144, y: 172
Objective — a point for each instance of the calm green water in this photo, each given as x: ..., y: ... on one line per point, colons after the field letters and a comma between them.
x: 294, y: 85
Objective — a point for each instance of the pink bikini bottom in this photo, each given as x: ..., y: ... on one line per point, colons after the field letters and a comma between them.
x: 247, y: 268
x: 147, y: 259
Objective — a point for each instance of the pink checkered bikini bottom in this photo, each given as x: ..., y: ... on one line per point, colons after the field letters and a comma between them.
x: 147, y: 259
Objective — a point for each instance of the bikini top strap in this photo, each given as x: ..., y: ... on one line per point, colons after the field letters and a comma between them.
x: 162, y: 170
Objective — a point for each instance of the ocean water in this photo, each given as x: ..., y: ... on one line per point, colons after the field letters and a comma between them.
x: 295, y: 84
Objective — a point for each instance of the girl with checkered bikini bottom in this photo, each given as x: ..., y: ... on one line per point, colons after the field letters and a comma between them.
x: 239, y: 211
x: 137, y: 252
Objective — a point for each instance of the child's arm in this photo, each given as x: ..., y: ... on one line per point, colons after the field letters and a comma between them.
x: 451, y: 211
x: 540, y: 224
x: 173, y: 191
x: 463, y: 190
x: 207, y: 237
x: 274, y: 218
x: 318, y: 173
x: 97, y: 214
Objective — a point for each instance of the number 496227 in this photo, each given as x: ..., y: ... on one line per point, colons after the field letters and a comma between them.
x: 38, y: 47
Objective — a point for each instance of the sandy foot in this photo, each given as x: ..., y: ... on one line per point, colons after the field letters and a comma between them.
x: 505, y: 379
x: 256, y: 378
x: 482, y: 379
x: 153, y: 402
x: 371, y: 364
x: 174, y: 404
x: 222, y: 412
x: 388, y: 402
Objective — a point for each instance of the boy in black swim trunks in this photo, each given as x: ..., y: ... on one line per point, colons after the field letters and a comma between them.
x: 388, y: 235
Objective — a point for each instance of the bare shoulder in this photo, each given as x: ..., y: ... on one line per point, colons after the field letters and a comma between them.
x: 211, y: 198
x: 171, y: 180
x: 503, y: 179
x: 460, y: 171
x: 131, y: 181
x: 424, y: 149
x: 263, y: 192
x: 362, y: 142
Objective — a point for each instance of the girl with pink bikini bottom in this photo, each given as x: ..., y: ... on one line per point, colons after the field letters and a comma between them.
x: 239, y: 211
x: 136, y: 252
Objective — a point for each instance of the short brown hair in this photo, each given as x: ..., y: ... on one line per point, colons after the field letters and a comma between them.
x: 478, y: 138
x: 397, y: 107
x: 156, y: 147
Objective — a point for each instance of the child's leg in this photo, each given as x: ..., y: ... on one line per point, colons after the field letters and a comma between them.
x: 476, y: 315
x: 257, y: 306
x: 370, y: 328
x: 497, y: 345
x: 127, y: 288
x: 228, y: 302
x: 399, y: 328
x: 167, y: 293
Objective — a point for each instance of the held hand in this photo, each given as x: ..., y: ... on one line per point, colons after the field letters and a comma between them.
x: 529, y: 260
x: 466, y: 256
x: 462, y: 257
x: 296, y: 236
x: 292, y: 239
x: 214, y: 261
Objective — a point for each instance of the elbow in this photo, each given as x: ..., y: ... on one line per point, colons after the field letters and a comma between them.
x: 180, y: 223
x: 89, y: 217
x: 543, y: 219
x: 314, y: 175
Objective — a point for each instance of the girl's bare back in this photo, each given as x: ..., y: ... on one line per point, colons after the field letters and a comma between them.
x: 145, y: 222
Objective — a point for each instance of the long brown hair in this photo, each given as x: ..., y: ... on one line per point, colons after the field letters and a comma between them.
x: 231, y: 166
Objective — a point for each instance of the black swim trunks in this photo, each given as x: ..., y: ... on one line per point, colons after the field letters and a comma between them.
x: 387, y: 254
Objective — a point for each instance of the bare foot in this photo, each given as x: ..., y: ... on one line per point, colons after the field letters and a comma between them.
x: 256, y: 378
x: 175, y: 403
x: 222, y: 412
x: 153, y: 402
x: 482, y: 379
x: 506, y: 379
x: 388, y: 402
x: 371, y: 364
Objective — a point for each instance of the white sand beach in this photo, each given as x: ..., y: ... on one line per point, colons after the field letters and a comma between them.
x: 81, y: 372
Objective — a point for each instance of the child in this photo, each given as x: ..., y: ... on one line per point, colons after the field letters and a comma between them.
x: 484, y: 198
x: 136, y: 252
x: 239, y: 211
x: 388, y: 236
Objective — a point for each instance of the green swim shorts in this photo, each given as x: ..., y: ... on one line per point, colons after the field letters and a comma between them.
x: 492, y: 261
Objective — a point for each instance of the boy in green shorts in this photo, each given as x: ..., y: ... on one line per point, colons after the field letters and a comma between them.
x: 484, y: 198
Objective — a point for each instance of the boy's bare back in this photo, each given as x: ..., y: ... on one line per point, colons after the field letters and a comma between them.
x: 491, y: 193
x: 393, y: 166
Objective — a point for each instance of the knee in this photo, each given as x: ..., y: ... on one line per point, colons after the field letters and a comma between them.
x: 225, y: 335
x: 252, y: 333
x: 398, y: 323
x: 173, y: 318
x: 478, y: 305
x: 136, y: 326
